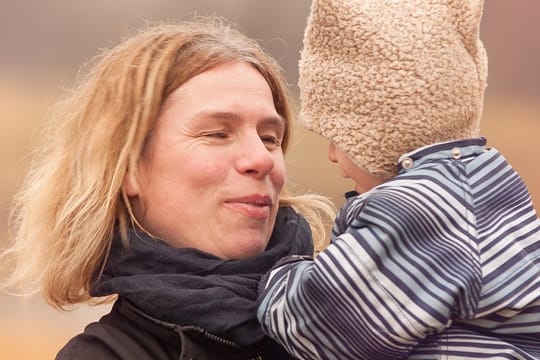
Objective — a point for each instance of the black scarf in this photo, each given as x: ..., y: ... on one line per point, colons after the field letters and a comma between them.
x: 189, y: 287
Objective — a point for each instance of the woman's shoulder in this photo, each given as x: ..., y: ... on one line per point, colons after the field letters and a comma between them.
x: 127, y: 333
x: 122, y: 335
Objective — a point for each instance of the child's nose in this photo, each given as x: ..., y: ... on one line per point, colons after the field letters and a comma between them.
x: 332, y: 152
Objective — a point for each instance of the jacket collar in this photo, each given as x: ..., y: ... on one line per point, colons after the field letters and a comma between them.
x: 460, y: 149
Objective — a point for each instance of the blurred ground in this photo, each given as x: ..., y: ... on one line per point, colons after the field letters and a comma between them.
x: 41, y: 54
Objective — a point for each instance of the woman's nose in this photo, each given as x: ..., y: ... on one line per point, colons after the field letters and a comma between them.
x: 255, y: 158
x: 332, y: 152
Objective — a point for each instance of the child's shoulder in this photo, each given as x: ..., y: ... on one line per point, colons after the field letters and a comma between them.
x: 403, y: 193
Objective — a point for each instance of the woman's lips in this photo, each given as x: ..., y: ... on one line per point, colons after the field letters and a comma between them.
x: 253, y: 206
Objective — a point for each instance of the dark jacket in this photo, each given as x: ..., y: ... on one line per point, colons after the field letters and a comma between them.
x: 127, y: 333
x: 163, y: 289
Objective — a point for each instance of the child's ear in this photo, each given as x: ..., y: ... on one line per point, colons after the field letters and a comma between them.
x: 131, y: 185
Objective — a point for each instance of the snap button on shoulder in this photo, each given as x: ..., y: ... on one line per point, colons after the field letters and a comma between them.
x: 456, y: 153
x: 407, y: 163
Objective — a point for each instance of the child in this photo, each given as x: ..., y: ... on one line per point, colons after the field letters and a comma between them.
x: 439, y: 257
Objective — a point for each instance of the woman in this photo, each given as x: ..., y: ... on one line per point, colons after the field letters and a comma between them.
x: 162, y: 182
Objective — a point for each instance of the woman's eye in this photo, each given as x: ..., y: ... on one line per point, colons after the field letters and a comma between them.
x: 217, y: 135
x: 272, y: 140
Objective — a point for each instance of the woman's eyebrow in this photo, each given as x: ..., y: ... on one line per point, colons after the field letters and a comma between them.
x: 276, y: 120
x: 225, y: 115
x: 232, y: 115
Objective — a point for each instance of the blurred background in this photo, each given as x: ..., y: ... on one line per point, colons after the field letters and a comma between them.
x: 44, y: 42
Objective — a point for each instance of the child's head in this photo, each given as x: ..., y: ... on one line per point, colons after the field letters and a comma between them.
x: 380, y: 78
x: 363, y: 180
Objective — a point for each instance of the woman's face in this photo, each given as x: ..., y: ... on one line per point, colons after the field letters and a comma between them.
x: 213, y: 169
x: 363, y: 180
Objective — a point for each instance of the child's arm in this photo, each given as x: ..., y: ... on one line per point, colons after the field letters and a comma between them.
x: 402, y: 270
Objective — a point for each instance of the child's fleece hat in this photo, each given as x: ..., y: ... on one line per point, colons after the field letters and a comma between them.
x: 380, y: 78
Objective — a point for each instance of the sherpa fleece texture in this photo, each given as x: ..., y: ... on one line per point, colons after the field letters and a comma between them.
x: 384, y: 77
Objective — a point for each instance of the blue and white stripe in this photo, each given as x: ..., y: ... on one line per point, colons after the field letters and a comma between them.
x: 442, y: 262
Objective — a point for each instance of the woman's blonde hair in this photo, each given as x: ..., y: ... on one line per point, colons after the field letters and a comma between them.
x: 72, y: 200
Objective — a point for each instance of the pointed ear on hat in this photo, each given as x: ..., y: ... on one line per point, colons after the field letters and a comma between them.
x: 468, y: 14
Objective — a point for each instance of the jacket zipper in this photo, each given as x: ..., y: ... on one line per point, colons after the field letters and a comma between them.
x: 223, y: 341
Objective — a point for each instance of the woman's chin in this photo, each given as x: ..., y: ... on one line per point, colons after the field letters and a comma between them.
x: 245, y: 249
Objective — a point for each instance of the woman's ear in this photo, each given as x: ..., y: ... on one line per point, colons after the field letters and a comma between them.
x: 131, y: 185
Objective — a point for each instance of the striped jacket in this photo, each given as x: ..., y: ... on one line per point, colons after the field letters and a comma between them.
x: 440, y: 262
